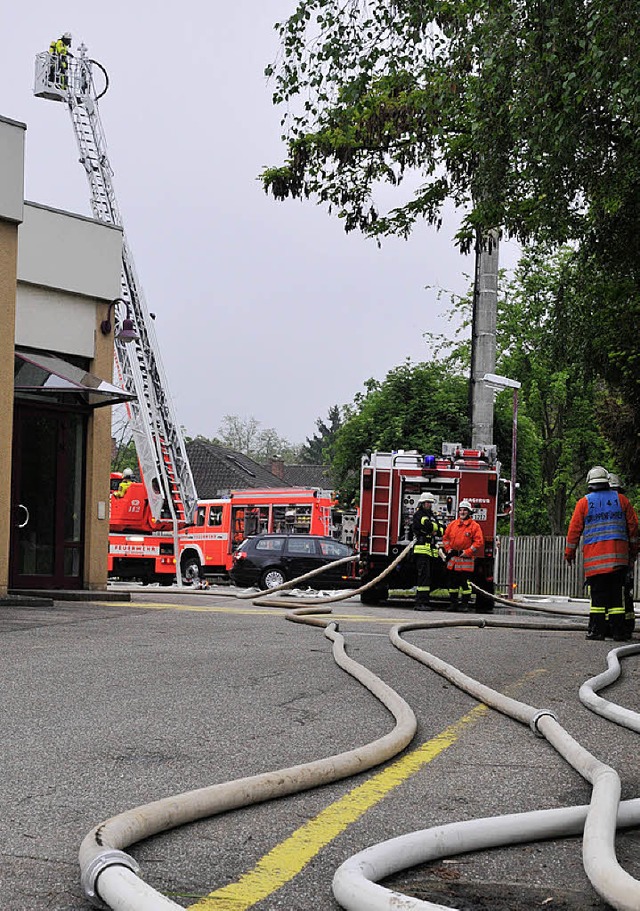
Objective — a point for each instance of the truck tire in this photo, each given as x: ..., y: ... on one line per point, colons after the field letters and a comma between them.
x: 484, y: 605
x: 376, y: 595
x: 191, y: 570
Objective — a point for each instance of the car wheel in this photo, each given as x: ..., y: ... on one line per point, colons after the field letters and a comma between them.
x: 191, y: 570
x: 272, y: 578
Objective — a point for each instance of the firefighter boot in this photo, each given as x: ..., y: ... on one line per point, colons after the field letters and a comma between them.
x: 466, y: 603
x: 618, y: 628
x: 629, y: 625
x: 597, y: 627
x: 453, y: 601
x: 423, y: 599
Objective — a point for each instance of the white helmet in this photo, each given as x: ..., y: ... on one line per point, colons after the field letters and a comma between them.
x: 127, y: 473
x: 465, y: 504
x: 598, y: 477
x: 615, y: 483
x: 426, y: 497
x: 66, y: 36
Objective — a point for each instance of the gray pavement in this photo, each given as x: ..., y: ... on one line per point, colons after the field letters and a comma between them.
x: 107, y: 706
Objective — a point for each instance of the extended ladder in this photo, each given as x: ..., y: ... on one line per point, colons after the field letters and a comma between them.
x: 156, y: 432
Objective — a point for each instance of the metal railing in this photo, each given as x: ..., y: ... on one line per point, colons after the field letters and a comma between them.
x: 540, y: 568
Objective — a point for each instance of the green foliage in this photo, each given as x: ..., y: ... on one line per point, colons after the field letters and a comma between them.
x: 414, y: 407
x: 125, y: 457
x: 316, y: 450
x: 523, y: 112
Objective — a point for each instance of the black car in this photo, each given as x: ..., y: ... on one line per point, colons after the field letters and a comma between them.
x: 269, y: 560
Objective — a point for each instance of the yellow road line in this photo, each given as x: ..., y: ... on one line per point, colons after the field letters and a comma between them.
x: 287, y: 859
x: 266, y: 611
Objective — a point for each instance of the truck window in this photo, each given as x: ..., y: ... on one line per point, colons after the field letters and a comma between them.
x: 215, y: 515
x: 200, y: 516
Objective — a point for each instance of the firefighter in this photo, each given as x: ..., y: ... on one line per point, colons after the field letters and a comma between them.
x: 627, y: 591
x: 125, y: 483
x: 427, y: 529
x: 59, y: 50
x: 462, y: 540
x: 609, y: 526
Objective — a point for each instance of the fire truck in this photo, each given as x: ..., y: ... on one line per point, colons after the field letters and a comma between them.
x: 390, y: 485
x: 143, y: 548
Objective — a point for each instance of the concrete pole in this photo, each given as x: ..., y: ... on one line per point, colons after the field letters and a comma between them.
x: 483, y: 340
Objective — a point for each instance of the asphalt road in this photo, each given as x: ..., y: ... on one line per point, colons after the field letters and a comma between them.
x: 108, y: 706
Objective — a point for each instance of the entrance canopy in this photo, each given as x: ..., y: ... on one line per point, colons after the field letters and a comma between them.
x: 46, y: 376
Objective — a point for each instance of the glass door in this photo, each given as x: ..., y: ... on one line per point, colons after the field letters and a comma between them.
x: 47, y: 533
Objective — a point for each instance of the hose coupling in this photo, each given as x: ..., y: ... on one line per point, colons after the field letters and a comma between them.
x: 533, y: 724
x: 97, y: 865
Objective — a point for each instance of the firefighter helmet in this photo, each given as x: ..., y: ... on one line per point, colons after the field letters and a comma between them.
x: 465, y: 504
x: 67, y: 37
x: 615, y: 483
x: 598, y: 477
x: 127, y: 473
x: 426, y: 497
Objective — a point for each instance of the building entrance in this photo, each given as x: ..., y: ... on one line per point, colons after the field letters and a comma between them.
x: 47, y: 501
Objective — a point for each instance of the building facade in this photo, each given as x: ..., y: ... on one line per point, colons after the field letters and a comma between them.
x: 59, y: 274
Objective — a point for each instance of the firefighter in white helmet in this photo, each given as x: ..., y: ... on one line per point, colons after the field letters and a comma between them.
x: 629, y: 611
x: 427, y: 530
x: 608, y: 525
x: 125, y: 483
x: 462, y: 541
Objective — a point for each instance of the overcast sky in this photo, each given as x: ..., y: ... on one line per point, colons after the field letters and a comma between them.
x: 264, y: 309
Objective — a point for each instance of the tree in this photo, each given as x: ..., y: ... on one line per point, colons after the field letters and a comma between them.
x: 412, y: 408
x: 538, y: 344
x: 522, y: 112
x: 316, y: 450
x: 247, y: 435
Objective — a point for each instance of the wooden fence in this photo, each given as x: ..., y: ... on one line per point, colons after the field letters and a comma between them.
x: 539, y: 568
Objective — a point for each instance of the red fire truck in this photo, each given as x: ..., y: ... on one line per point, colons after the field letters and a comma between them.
x: 390, y: 485
x: 143, y: 549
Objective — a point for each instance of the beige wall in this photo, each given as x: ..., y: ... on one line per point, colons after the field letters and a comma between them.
x: 8, y: 272
x: 97, y: 493
x: 55, y: 288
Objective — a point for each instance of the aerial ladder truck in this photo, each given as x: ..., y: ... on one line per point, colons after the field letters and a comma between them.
x: 156, y: 432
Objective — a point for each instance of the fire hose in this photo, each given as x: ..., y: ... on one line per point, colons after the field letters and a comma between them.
x: 110, y: 876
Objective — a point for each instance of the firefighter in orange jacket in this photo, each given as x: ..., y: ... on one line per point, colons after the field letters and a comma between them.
x: 462, y: 540
x: 629, y: 611
x: 609, y: 526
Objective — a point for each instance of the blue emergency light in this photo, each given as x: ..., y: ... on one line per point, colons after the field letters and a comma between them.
x: 429, y: 461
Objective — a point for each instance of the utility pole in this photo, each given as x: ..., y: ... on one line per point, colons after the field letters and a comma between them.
x: 483, y: 338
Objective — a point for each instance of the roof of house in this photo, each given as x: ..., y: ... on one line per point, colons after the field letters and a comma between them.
x: 217, y: 471
x: 308, y: 476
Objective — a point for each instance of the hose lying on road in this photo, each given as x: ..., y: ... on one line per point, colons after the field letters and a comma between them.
x: 600, y: 706
x: 355, y: 883
x: 109, y: 875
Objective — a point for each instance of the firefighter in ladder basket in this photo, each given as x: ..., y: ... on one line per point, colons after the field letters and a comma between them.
x: 59, y: 50
x: 462, y: 540
x: 427, y: 528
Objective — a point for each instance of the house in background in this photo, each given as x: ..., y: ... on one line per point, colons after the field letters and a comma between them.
x: 217, y: 470
x: 59, y: 274
x: 303, y: 475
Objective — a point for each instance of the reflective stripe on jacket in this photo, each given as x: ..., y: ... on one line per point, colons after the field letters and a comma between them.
x: 426, y: 528
x: 465, y: 535
x: 610, y: 527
